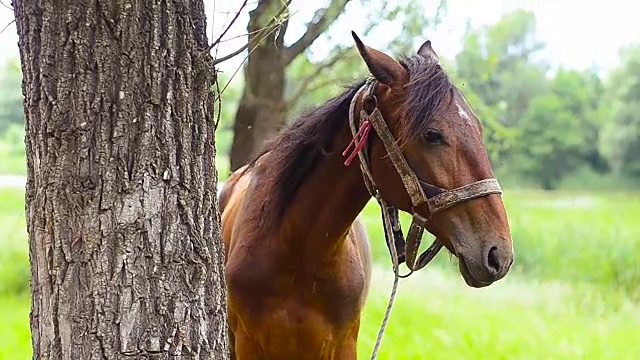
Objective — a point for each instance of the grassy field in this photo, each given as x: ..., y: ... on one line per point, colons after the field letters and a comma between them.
x: 12, y: 164
x: 437, y: 317
x: 572, y: 294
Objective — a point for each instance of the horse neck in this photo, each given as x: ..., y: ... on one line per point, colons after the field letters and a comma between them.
x: 327, y: 203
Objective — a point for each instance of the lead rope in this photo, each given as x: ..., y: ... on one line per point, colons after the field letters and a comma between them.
x: 388, y: 232
x: 360, y: 138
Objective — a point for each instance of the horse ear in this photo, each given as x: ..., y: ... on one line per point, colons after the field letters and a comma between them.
x: 382, y: 66
x: 426, y: 51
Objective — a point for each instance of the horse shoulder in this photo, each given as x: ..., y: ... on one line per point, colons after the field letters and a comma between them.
x: 247, y: 276
x: 231, y: 199
x: 228, y: 187
x: 359, y: 237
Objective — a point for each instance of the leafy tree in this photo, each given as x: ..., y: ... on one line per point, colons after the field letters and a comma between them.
x: 550, y: 141
x: 559, y: 132
x: 501, y: 74
x: 620, y: 142
x: 583, y: 95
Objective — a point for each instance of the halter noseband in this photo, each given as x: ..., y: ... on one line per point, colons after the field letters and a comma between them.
x: 439, y: 199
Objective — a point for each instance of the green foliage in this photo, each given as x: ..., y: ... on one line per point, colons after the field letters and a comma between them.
x: 500, y: 79
x: 550, y: 141
x: 620, y: 142
x: 415, y: 24
x: 309, y: 83
x: 541, y: 127
x: 12, y: 140
x: 231, y: 88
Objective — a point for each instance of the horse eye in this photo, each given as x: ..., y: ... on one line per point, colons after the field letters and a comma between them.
x: 433, y: 136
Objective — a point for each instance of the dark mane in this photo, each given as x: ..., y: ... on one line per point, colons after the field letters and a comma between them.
x: 428, y: 91
x: 299, y: 147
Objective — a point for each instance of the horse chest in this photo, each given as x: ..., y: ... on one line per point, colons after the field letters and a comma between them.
x: 327, y: 291
x: 340, y: 299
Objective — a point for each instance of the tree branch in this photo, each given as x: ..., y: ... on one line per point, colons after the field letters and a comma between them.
x: 322, y: 19
x: 265, y: 31
x: 224, y: 32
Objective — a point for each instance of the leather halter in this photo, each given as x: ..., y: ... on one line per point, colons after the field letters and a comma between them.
x: 439, y: 199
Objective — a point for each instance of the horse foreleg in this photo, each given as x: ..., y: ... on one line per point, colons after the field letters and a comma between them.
x: 245, y: 348
x: 349, y: 348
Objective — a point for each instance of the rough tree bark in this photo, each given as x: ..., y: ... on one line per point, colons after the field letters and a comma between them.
x: 121, y: 186
x: 262, y: 107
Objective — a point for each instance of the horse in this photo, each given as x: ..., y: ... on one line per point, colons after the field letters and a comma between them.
x: 298, y: 262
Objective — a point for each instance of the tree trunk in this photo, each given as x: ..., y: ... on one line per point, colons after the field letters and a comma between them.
x: 261, y: 109
x: 124, y: 234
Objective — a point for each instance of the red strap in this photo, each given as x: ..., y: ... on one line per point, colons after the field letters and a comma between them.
x: 363, y: 134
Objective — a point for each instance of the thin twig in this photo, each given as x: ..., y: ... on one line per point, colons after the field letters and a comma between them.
x: 7, y: 6
x: 219, y: 99
x: 243, y: 61
x: 9, y: 24
x: 273, y: 24
x: 241, y: 35
x: 213, y: 19
x: 224, y: 32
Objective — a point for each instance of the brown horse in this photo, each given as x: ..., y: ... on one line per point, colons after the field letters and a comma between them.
x: 298, y: 264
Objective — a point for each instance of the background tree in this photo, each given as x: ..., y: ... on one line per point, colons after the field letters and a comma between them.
x: 261, y: 109
x: 121, y: 203
x: 499, y: 66
x: 282, y: 80
x: 620, y: 142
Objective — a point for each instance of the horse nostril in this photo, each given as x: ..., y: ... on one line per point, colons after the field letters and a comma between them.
x: 492, y: 260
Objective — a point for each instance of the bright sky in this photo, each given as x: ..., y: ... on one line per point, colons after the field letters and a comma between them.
x: 578, y: 33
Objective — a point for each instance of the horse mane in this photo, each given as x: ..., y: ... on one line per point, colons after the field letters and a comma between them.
x: 300, y: 146
x: 429, y: 91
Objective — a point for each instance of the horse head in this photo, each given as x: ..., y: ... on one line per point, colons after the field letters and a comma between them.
x: 428, y: 158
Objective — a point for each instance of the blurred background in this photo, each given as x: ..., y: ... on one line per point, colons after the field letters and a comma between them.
x: 557, y: 87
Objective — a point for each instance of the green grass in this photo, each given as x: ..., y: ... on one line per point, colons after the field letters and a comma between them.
x: 578, y: 237
x: 15, y: 338
x: 567, y: 236
x: 436, y: 316
x: 13, y: 164
x: 14, y: 257
x: 570, y: 294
